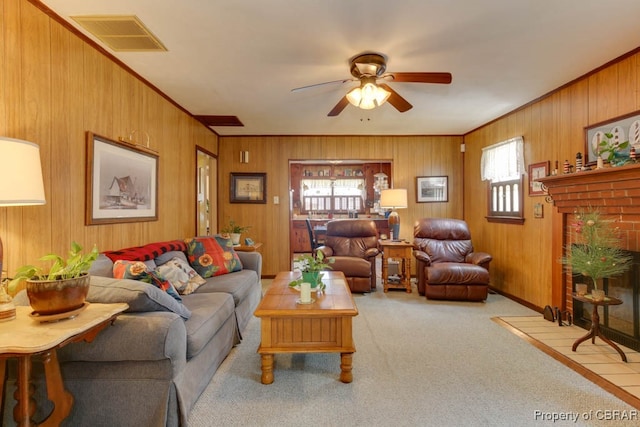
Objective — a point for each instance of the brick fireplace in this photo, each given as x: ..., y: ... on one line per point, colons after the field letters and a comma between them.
x: 615, y: 192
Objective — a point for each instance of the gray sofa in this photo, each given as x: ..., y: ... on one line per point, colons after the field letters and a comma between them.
x: 150, y: 367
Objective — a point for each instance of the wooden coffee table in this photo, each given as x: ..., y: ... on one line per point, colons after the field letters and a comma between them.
x: 323, y: 326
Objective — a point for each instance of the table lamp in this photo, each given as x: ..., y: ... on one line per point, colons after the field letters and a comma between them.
x: 20, y: 176
x: 395, y: 198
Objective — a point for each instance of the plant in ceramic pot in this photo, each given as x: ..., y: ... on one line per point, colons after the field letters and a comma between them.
x: 311, y: 268
x: 235, y: 231
x: 61, y: 288
x: 595, y: 252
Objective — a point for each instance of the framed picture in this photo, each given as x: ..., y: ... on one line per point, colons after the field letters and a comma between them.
x: 538, y: 210
x: 248, y: 188
x: 536, y: 171
x: 623, y: 128
x: 121, y: 182
x: 432, y: 189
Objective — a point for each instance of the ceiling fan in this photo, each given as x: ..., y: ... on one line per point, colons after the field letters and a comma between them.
x: 369, y: 68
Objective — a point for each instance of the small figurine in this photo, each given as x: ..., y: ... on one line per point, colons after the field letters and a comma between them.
x: 565, y: 166
x: 578, y: 162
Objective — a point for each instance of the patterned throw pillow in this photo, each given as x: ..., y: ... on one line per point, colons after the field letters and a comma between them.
x: 138, y: 270
x: 180, y: 274
x: 212, y: 256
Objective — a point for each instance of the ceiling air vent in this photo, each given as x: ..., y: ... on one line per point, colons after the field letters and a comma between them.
x: 219, y: 120
x: 122, y: 33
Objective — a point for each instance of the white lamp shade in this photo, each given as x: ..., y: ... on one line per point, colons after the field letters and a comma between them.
x: 20, y: 173
x: 395, y: 198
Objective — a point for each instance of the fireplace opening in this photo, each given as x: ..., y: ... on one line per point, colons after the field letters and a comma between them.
x: 619, y: 323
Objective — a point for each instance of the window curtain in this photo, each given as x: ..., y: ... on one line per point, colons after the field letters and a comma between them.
x: 503, y: 161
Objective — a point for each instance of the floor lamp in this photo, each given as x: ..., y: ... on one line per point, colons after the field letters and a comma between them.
x: 20, y: 176
x: 395, y: 198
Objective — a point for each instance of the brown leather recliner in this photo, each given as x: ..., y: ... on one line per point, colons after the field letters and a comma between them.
x: 353, y: 244
x: 447, y: 267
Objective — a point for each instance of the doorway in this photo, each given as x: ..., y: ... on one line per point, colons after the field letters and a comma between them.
x: 206, y: 189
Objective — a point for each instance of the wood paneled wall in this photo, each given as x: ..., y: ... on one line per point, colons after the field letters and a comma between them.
x: 412, y: 156
x: 53, y: 88
x: 525, y: 262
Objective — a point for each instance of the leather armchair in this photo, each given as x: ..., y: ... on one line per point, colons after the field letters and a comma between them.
x: 353, y: 244
x: 447, y: 266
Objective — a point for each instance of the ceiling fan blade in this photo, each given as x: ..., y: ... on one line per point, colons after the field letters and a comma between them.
x: 396, y: 100
x: 297, y: 89
x: 444, y: 78
x: 341, y: 105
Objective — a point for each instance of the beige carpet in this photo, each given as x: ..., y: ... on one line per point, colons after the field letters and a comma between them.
x: 418, y: 363
x: 597, y: 362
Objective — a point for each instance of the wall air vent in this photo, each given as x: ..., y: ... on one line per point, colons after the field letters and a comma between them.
x: 121, y: 33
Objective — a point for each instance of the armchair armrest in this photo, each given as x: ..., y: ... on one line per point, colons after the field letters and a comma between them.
x: 371, y: 253
x: 326, y: 250
x: 422, y: 256
x: 479, y: 258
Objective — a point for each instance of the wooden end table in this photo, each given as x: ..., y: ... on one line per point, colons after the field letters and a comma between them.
x: 595, y: 323
x: 250, y: 248
x: 397, y: 250
x: 25, y: 337
x: 324, y: 326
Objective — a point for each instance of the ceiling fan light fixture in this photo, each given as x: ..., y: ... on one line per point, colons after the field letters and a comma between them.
x: 368, y: 96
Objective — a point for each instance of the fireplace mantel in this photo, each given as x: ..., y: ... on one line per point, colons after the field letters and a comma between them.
x: 613, y: 190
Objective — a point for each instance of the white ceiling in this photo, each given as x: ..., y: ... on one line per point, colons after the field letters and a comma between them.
x: 243, y: 57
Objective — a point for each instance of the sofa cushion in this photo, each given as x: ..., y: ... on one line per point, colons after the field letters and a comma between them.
x: 140, y: 296
x: 239, y: 284
x: 212, y: 256
x: 452, y: 273
x: 209, y: 313
x: 180, y: 274
x: 138, y: 270
x: 352, y: 266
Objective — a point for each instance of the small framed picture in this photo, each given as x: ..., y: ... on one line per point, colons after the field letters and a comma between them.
x: 248, y: 187
x: 537, y: 171
x: 431, y: 189
x: 538, y: 210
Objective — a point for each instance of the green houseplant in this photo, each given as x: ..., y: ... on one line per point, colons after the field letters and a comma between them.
x: 595, y: 252
x: 311, y: 268
x: 235, y: 230
x: 60, y: 288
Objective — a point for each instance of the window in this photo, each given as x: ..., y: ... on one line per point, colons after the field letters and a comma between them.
x: 502, y: 165
x: 333, y: 195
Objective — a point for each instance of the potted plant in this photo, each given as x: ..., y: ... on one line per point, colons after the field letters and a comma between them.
x: 595, y: 252
x: 61, y: 288
x: 234, y: 230
x: 311, y: 268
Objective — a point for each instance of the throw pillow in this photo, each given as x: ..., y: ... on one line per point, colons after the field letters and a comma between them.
x: 138, y: 270
x: 212, y: 256
x: 180, y: 274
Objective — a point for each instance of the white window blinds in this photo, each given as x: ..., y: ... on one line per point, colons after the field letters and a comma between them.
x: 503, y: 161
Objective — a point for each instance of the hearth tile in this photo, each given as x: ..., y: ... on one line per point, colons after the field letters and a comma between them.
x: 611, y: 368
x: 634, y: 390
x: 623, y: 380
